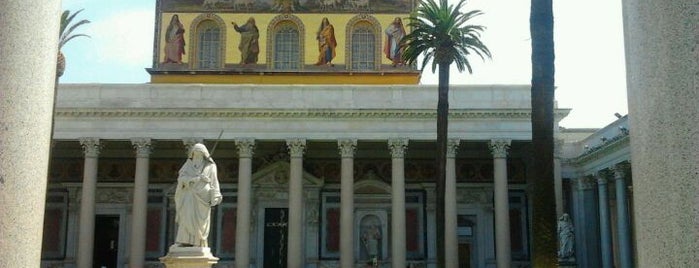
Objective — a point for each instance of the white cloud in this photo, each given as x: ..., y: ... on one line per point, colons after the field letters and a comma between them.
x: 123, y: 38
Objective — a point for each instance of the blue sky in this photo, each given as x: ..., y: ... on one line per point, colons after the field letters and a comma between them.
x: 590, y: 74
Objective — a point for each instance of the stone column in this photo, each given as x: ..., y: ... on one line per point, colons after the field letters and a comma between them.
x: 294, y: 255
x: 502, y: 206
x: 451, y: 238
x: 244, y: 207
x: 661, y: 41
x: 586, y: 222
x: 28, y: 49
x: 86, y: 233
x: 557, y: 180
x: 347, y: 148
x: 397, y: 147
x: 605, y: 228
x: 622, y: 210
x: 139, y: 214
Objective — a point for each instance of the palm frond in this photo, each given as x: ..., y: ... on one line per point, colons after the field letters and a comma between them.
x: 441, y: 34
x: 67, y: 27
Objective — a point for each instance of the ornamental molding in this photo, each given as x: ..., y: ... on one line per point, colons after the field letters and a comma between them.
x: 179, y: 113
x: 618, y: 142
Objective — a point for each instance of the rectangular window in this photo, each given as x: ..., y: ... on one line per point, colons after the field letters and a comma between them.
x: 286, y: 48
x: 363, y: 49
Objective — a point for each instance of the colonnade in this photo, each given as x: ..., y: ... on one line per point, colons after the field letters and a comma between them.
x: 295, y: 254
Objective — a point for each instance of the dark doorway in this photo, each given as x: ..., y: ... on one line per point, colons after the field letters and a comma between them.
x: 106, y: 248
x: 276, y: 228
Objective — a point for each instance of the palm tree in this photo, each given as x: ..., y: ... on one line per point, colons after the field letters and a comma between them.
x: 542, y: 94
x: 440, y: 32
x: 66, y: 34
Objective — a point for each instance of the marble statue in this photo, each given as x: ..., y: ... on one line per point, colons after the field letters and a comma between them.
x: 371, y: 240
x: 197, y: 191
x: 566, y: 237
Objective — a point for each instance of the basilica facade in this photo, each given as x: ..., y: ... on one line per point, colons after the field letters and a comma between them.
x: 325, y: 147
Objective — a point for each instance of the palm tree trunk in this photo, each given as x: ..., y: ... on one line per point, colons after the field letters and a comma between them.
x: 442, y: 125
x: 544, y: 237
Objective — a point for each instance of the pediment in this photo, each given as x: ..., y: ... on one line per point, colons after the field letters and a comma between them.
x: 277, y: 175
x: 372, y: 186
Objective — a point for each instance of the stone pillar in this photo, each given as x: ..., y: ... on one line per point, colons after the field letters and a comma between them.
x: 139, y: 214
x: 244, y: 207
x: 622, y: 210
x: 557, y: 180
x: 451, y: 238
x: 502, y: 206
x: 28, y: 49
x: 398, y: 147
x: 294, y: 255
x: 347, y: 148
x: 86, y: 233
x: 604, y: 225
x: 586, y: 222
x: 661, y: 41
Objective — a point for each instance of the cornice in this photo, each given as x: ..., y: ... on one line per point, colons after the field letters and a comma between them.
x: 520, y: 114
x: 600, y: 151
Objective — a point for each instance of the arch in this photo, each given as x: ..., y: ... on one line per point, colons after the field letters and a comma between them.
x: 285, y: 30
x: 208, y: 30
x: 359, y: 28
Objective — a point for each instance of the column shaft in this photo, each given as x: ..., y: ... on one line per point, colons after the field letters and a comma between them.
x: 398, y: 246
x: 558, y: 186
x: 139, y: 214
x: 347, y: 148
x: 451, y: 238
x: 295, y: 257
x: 86, y: 232
x: 27, y: 76
x: 502, y: 208
x: 244, y: 203
x: 605, y: 226
x: 623, y: 230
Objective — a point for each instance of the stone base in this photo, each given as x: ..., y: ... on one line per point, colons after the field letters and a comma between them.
x: 189, y: 257
x: 567, y: 263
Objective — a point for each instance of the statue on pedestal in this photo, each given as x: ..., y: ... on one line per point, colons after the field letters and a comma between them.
x: 566, y: 237
x: 197, y: 191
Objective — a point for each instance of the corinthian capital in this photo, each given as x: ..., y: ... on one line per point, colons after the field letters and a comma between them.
x: 347, y: 147
x: 620, y: 170
x: 398, y: 147
x: 142, y: 146
x: 499, y: 148
x: 452, y: 147
x: 91, y: 146
x: 296, y: 147
x: 246, y: 146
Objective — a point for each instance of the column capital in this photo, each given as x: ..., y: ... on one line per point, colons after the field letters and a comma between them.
x: 585, y: 182
x: 499, y: 147
x: 452, y: 147
x: 246, y: 147
x: 603, y: 176
x: 398, y: 147
x: 143, y: 146
x: 296, y: 146
x: 621, y: 170
x: 188, y: 142
x: 347, y: 147
x: 91, y: 146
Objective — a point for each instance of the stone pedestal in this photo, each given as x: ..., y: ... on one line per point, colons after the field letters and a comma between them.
x: 567, y: 263
x: 189, y: 257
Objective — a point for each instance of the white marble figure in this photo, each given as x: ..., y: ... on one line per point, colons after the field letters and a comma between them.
x: 197, y: 191
x: 371, y: 240
x: 566, y: 237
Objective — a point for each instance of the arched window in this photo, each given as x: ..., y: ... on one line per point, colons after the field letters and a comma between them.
x: 286, y: 47
x: 207, y: 49
x: 364, y: 46
x: 285, y: 38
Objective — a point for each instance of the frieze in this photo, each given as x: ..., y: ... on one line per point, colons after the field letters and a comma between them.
x: 307, y: 113
x: 113, y: 195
